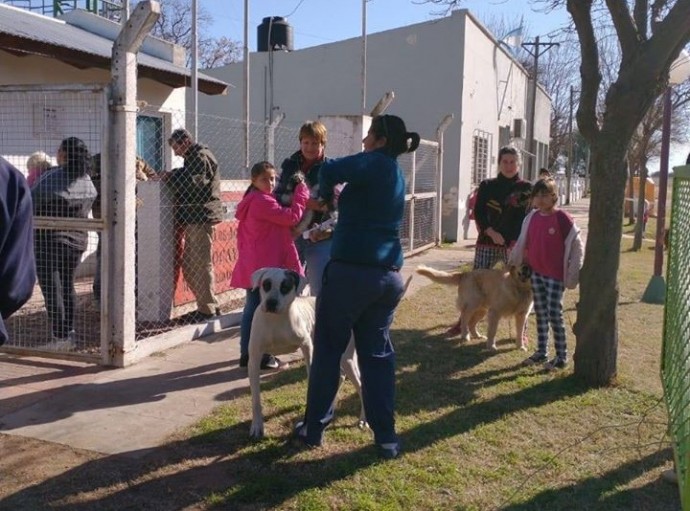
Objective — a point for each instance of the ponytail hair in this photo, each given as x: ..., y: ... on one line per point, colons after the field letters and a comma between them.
x: 398, y: 139
x: 256, y: 170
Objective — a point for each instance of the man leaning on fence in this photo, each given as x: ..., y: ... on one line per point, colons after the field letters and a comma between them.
x: 17, y: 268
x: 196, y: 188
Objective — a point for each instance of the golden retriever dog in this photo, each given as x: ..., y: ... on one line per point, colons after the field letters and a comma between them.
x: 498, y: 292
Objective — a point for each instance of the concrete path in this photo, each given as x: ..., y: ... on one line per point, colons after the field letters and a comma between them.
x: 135, y: 409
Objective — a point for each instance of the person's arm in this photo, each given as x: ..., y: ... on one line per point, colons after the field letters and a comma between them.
x: 482, y: 218
x: 201, y: 168
x: 17, y: 266
x: 575, y: 261
x: 270, y: 210
x: 354, y: 170
x: 482, y: 198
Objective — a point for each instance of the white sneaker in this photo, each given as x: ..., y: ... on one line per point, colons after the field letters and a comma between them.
x: 68, y: 343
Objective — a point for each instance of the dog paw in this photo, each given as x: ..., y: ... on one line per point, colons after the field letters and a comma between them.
x: 362, y: 424
x: 491, y: 345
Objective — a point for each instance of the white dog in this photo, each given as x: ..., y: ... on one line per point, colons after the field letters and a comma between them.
x: 282, y: 323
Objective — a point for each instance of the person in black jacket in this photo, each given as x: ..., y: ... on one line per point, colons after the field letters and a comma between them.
x: 65, y: 191
x: 17, y: 268
x: 198, y: 207
x: 502, y: 204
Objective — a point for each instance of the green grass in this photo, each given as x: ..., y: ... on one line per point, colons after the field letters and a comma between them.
x: 479, y: 431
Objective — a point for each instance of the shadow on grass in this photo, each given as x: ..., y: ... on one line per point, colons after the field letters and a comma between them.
x: 244, y: 475
x: 603, y: 492
x: 263, y: 474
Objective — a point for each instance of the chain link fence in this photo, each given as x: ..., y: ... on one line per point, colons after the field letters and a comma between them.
x: 675, y: 363
x: 61, y: 316
x: 68, y: 311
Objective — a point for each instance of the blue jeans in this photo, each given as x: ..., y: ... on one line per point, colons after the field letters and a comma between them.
x: 316, y: 256
x: 251, y: 302
x: 362, y: 300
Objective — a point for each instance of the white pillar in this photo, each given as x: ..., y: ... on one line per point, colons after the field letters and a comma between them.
x: 121, y: 210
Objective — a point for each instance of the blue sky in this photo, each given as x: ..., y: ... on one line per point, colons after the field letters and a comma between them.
x: 317, y: 22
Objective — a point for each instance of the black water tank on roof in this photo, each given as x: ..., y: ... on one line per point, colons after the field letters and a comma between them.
x: 274, y: 33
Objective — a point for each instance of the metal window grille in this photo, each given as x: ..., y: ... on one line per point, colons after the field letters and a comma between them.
x: 481, y: 147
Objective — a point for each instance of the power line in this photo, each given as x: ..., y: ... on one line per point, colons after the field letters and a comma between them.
x: 295, y: 9
x: 532, y: 166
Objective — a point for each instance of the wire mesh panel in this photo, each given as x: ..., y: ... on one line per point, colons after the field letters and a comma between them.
x: 186, y: 241
x: 675, y: 368
x: 420, y: 221
x: 51, y: 134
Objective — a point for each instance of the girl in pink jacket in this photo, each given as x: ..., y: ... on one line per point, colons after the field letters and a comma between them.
x: 264, y: 239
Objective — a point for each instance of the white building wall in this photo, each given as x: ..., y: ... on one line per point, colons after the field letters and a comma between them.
x: 76, y: 119
x: 434, y: 68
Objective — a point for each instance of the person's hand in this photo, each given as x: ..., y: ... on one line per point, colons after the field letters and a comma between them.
x: 316, y: 205
x: 318, y: 235
x: 495, y: 236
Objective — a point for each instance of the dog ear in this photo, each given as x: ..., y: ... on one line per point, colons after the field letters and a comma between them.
x: 257, y: 276
x: 296, y: 279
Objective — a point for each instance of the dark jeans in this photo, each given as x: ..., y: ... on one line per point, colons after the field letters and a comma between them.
x: 251, y: 303
x: 55, y: 265
x: 362, y: 300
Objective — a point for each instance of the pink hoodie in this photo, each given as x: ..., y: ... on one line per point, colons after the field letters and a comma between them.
x: 264, y: 237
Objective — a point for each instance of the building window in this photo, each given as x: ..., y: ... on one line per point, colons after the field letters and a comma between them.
x: 481, y: 146
x: 150, y: 140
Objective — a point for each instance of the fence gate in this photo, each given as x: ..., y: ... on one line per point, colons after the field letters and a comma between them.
x: 37, y: 118
x: 420, y: 223
x: 675, y: 361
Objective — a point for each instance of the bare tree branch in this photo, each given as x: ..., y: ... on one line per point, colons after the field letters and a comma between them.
x: 640, y: 14
x: 627, y: 35
x: 175, y: 25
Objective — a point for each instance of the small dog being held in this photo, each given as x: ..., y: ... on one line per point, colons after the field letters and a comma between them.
x: 282, y: 323
x: 500, y: 293
x: 286, y: 200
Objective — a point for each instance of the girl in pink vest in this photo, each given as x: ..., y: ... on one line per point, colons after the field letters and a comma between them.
x: 550, y: 243
x: 264, y: 239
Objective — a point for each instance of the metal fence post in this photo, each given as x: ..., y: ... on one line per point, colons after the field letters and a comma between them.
x: 122, y: 159
x: 271, y: 138
x: 443, y: 125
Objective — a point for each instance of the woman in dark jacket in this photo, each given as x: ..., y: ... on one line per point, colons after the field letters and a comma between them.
x: 313, y: 245
x: 362, y: 285
x: 65, y: 191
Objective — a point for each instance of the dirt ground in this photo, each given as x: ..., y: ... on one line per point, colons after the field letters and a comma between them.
x: 39, y: 475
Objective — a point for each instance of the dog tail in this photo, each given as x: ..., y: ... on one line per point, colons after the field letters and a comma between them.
x: 441, y: 277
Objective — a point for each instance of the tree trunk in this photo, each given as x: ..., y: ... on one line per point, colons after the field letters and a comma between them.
x: 596, y: 329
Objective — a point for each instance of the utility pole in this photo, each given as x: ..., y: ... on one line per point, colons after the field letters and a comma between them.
x: 569, y: 168
x: 535, y: 49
